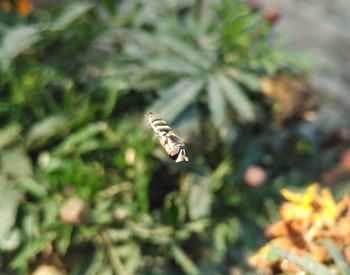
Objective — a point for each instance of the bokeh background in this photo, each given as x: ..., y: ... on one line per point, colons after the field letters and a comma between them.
x: 258, y: 90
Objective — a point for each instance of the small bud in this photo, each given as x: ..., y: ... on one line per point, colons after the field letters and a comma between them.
x: 255, y: 176
x: 44, y: 159
x: 272, y: 15
x: 48, y: 270
x: 130, y: 156
x: 345, y: 160
x: 74, y: 211
x: 255, y: 4
x: 121, y: 213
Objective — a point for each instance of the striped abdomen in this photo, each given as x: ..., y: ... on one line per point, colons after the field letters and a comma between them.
x: 171, y: 143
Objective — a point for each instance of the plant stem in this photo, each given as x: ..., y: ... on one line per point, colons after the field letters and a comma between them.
x: 113, y: 255
x: 197, y: 9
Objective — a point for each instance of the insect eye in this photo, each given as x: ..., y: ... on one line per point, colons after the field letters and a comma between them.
x: 175, y: 152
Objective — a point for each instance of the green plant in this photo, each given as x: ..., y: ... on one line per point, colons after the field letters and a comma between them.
x: 75, y: 83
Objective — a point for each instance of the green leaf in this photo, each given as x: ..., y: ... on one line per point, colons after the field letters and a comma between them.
x: 338, y: 258
x: 175, y: 209
x: 16, y: 163
x: 71, y: 143
x: 184, y: 261
x: 132, y: 255
x: 111, y: 6
x: 31, y: 222
x: 307, y: 263
x: 10, y: 198
x: 237, y: 98
x: 43, y: 130
x: 177, y: 98
x: 217, y: 176
x: 112, y: 98
x: 219, y: 240
x: 171, y: 64
x: 187, y: 125
x: 30, y: 249
x: 185, y: 50
x: 138, y: 44
x: 62, y: 244
x: 70, y: 14
x: 9, y: 134
x: 33, y: 187
x: 216, y: 102
x: 250, y: 80
x: 200, y: 197
x: 93, y: 263
x: 16, y: 41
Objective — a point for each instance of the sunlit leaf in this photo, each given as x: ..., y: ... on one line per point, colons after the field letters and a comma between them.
x: 112, y: 96
x: 237, y: 98
x: 219, y: 240
x: 141, y: 187
x: 65, y: 239
x: 199, y: 201
x: 33, y: 187
x: 43, y: 130
x: 71, y: 13
x: 338, y: 258
x: 175, y: 100
x: 31, y: 249
x: 171, y: 64
x: 31, y: 222
x: 187, y: 51
x: 216, y: 102
x: 250, y: 80
x: 9, y: 134
x: 140, y: 43
x: 10, y: 198
x: 307, y: 263
x: 16, y: 163
x: 16, y: 41
x: 72, y: 141
x: 132, y: 255
x: 184, y: 261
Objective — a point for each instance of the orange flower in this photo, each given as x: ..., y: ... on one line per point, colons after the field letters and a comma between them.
x: 6, y: 5
x: 24, y: 7
x: 320, y: 209
x: 306, y: 219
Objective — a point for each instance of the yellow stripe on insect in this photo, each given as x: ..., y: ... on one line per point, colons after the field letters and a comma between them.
x: 171, y: 143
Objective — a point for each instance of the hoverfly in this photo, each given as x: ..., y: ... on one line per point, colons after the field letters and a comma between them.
x: 171, y: 143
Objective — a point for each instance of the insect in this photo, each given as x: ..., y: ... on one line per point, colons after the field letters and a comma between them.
x: 171, y: 143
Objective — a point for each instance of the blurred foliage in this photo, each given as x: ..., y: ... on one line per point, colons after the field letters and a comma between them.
x: 84, y: 185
